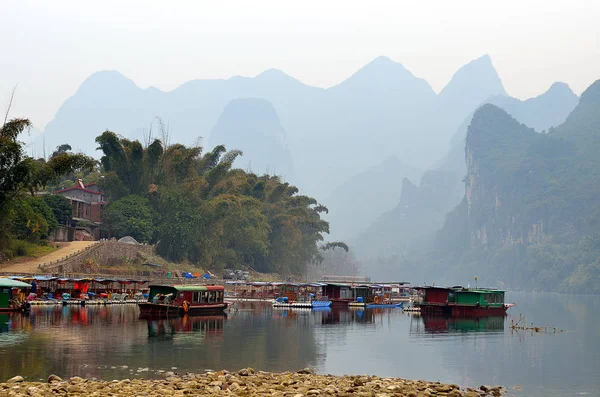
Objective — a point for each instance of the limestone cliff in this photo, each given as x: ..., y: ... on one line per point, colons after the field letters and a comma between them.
x: 531, y: 208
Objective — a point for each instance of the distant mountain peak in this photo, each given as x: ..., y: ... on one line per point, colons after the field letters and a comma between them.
x: 383, y: 73
x: 383, y: 64
x: 477, y: 78
x: 485, y: 58
x: 274, y: 74
x: 106, y: 79
x: 591, y: 94
x: 382, y: 59
x: 559, y: 86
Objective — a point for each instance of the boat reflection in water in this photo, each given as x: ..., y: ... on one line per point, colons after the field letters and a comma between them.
x: 445, y: 324
x: 3, y: 322
x: 167, y: 328
x: 331, y: 316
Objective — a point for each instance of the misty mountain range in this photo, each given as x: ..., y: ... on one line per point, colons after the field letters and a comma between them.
x: 350, y: 145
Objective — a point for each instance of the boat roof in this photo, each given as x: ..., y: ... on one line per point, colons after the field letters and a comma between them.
x: 186, y: 287
x: 463, y: 289
x: 9, y: 283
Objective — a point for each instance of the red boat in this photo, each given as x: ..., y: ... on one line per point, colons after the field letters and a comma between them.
x: 459, y: 301
x: 179, y: 300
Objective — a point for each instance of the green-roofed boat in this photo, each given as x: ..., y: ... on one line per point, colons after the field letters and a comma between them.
x: 179, y: 300
x: 7, y: 303
x: 459, y: 301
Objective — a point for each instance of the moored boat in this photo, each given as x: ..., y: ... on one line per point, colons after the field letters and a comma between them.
x: 383, y: 305
x: 308, y: 303
x: 176, y: 300
x: 8, y: 302
x: 459, y: 301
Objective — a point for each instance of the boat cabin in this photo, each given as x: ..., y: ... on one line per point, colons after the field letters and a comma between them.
x: 193, y: 294
x: 8, y: 288
x: 338, y: 291
x: 435, y: 295
x: 476, y: 297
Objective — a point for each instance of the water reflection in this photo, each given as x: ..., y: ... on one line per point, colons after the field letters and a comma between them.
x: 114, y: 342
x: 442, y: 324
x: 169, y: 327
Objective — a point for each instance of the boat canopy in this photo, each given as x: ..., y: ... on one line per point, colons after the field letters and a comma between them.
x: 8, y: 283
x: 191, y: 287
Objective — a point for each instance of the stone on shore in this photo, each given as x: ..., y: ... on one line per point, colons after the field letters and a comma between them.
x: 247, y: 383
x: 54, y: 378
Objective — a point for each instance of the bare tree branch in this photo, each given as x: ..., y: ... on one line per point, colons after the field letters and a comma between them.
x: 12, y: 96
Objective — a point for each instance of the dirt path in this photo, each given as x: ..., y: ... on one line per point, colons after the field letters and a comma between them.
x: 30, y: 265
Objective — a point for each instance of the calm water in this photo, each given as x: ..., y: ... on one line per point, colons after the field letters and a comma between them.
x: 112, y: 342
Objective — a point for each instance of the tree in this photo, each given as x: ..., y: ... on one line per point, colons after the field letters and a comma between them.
x: 131, y: 216
x: 14, y: 166
x: 64, y: 148
x: 61, y: 208
x: 28, y: 219
x: 208, y: 212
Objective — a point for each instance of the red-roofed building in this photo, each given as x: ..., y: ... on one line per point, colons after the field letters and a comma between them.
x: 87, y: 201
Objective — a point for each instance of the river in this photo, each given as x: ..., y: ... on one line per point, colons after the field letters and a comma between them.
x: 113, y: 342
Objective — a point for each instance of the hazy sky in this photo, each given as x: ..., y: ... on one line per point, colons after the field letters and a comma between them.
x: 49, y: 47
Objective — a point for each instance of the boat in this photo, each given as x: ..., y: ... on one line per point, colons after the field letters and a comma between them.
x: 460, y: 301
x: 383, y: 305
x: 8, y: 301
x: 179, y: 300
x: 411, y: 309
x: 382, y: 302
x: 308, y: 303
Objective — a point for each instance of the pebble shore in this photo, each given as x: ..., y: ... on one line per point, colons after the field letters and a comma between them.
x: 245, y: 382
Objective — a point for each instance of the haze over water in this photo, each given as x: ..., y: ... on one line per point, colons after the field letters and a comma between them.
x: 99, y: 341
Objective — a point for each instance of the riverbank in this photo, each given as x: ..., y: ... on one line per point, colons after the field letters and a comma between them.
x: 246, y: 382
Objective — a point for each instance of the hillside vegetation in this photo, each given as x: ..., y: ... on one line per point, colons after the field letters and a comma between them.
x: 531, y: 211
x: 197, y: 207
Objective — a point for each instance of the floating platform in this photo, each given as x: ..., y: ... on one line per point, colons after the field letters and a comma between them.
x: 306, y: 305
x: 82, y: 302
x: 357, y: 304
x: 383, y: 305
x: 242, y: 299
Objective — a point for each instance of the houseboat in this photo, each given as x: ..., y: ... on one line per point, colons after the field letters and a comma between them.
x: 340, y: 294
x: 301, y: 295
x: 376, y: 296
x: 459, y: 301
x: 179, y: 300
x: 309, y: 302
x: 11, y: 299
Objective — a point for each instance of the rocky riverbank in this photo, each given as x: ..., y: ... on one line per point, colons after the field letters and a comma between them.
x: 245, y: 382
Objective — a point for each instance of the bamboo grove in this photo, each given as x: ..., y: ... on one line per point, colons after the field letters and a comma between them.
x: 195, y: 206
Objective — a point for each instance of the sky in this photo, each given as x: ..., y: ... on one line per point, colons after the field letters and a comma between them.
x: 49, y: 47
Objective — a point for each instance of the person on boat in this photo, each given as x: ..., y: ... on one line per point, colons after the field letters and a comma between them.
x: 167, y: 299
x: 33, y: 290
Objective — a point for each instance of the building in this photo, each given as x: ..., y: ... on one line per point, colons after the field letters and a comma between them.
x: 88, y: 204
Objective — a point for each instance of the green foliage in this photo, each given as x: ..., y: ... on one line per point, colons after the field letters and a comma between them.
x: 14, y: 248
x: 335, y: 244
x: 209, y: 213
x: 131, y: 216
x: 40, y: 206
x: 14, y: 166
x: 531, y: 215
x: 60, y: 207
x: 27, y: 222
x: 29, y: 217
